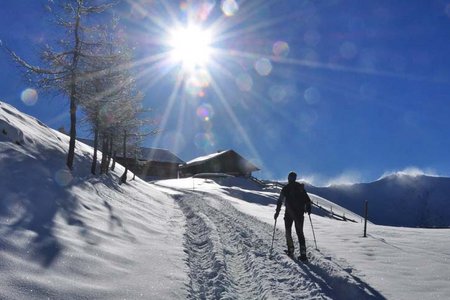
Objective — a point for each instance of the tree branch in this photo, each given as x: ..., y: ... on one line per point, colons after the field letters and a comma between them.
x: 30, y: 67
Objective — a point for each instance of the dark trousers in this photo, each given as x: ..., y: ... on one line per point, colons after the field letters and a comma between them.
x: 298, y: 219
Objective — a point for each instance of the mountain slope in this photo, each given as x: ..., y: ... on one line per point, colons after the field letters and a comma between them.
x: 396, y: 200
x: 75, y: 236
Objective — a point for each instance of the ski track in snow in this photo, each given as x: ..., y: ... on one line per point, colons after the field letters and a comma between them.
x: 228, y: 258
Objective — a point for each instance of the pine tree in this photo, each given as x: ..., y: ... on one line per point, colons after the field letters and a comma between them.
x: 63, y: 70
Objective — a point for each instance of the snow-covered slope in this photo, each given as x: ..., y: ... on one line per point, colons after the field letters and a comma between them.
x: 391, y: 263
x: 74, y: 236
x: 396, y: 200
x: 71, y: 235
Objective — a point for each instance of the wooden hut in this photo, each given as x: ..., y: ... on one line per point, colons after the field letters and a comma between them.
x: 153, y: 163
x: 228, y: 162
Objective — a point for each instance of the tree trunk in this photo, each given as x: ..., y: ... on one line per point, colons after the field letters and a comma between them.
x: 94, y: 158
x: 113, y: 166
x: 73, y: 130
x: 135, y: 165
x: 123, y: 179
x: 103, y: 165
x: 73, y: 96
x: 110, y: 149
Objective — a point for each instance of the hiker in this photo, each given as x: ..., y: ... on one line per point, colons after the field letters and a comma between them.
x: 297, y: 203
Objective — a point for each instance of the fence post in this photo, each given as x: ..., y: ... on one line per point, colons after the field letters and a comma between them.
x: 366, y: 213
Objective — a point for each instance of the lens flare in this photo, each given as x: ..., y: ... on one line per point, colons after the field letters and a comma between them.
x: 197, y: 10
x: 197, y: 81
x: 280, y: 49
x: 312, y: 95
x: 229, y: 7
x: 204, y: 9
x: 202, y: 77
x: 63, y: 177
x: 29, y: 96
x: 205, y: 112
x: 184, y: 5
x: 263, y: 66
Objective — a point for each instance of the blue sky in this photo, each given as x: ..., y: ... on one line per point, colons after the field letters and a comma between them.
x: 336, y: 90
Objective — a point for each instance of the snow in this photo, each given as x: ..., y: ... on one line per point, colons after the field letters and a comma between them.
x: 79, y: 236
x: 396, y: 263
x: 201, y: 159
x: 72, y: 235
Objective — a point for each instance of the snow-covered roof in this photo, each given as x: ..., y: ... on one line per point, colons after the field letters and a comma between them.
x: 202, y: 159
x: 161, y: 155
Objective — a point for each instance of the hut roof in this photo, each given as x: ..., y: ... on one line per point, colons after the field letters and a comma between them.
x: 203, y: 159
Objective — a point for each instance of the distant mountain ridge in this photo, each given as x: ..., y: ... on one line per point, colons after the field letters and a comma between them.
x: 396, y: 200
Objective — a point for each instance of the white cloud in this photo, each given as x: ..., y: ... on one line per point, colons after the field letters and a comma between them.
x: 311, y: 179
x: 347, y: 177
x: 411, y: 171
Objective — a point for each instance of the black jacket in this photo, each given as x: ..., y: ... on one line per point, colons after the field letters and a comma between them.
x: 295, y: 198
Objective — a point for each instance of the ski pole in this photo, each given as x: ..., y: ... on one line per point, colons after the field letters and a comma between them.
x: 314, y: 235
x: 273, y: 236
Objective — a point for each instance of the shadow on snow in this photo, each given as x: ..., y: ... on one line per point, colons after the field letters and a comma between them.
x: 34, y: 204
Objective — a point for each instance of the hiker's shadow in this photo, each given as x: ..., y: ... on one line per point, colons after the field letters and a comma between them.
x: 336, y: 281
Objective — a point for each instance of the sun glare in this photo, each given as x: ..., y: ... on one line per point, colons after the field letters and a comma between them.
x: 190, y: 46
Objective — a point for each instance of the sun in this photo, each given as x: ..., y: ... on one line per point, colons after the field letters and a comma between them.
x: 191, y: 46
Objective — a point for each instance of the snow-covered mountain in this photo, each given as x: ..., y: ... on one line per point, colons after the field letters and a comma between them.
x: 396, y: 200
x: 71, y: 235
